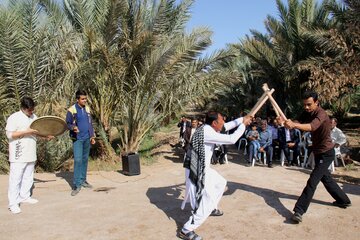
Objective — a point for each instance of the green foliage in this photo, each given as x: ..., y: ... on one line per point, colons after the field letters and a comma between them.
x: 52, y: 154
x: 350, y: 167
x: 4, y: 164
x: 147, y: 145
x: 275, y: 56
x: 304, y: 48
x: 341, y: 106
x: 140, y: 67
x: 142, y: 51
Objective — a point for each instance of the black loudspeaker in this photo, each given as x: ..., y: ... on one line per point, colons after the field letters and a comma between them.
x: 131, y: 164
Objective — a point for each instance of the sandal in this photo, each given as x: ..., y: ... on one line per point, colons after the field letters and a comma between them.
x: 217, y: 213
x: 189, y: 236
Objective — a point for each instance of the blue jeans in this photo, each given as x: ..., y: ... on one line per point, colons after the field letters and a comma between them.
x: 268, y: 150
x: 254, y: 145
x: 81, y: 157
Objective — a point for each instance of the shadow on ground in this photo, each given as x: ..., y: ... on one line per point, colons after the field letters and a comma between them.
x: 177, y: 153
x: 271, y: 198
x: 341, y: 178
x: 168, y: 200
x: 67, y: 176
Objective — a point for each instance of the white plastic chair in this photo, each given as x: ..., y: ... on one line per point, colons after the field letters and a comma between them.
x: 305, y: 142
x: 254, y: 159
x: 246, y: 143
x: 282, y: 157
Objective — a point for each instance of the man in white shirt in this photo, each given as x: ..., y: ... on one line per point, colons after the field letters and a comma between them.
x: 210, y: 185
x: 22, y: 155
x: 337, y: 136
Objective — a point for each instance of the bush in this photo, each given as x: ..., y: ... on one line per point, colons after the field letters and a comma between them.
x: 52, y: 154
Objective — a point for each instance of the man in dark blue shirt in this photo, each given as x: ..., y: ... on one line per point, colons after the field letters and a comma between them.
x: 79, y: 122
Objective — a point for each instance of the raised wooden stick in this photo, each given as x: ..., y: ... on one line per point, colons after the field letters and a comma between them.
x: 262, y: 100
x: 257, y: 103
x: 276, y: 111
x: 265, y: 87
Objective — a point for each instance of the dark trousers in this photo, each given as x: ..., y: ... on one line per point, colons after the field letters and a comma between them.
x: 268, y: 150
x: 320, y: 173
x: 296, y: 152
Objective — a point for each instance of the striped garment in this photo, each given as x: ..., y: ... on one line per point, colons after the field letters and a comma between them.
x: 195, y: 161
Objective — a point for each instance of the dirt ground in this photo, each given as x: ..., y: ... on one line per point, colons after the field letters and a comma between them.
x: 257, y: 205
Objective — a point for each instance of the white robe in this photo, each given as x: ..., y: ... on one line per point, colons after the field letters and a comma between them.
x: 214, y: 183
x: 338, y: 137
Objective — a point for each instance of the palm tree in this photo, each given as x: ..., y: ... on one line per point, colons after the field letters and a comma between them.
x: 240, y: 94
x: 137, y: 62
x: 335, y: 73
x: 30, y: 58
x: 276, y: 55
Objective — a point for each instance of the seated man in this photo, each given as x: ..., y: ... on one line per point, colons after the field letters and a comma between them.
x: 289, y: 139
x: 265, y: 140
x: 273, y: 127
x: 338, y: 137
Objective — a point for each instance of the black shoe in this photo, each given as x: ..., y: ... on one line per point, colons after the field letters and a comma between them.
x: 216, y: 213
x: 341, y: 205
x: 297, y: 217
x: 270, y: 166
x: 189, y: 236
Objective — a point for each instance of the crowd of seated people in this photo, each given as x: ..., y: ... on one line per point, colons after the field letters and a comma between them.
x: 271, y: 137
x: 267, y: 139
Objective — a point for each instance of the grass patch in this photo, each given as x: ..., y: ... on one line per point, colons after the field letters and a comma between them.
x: 350, y: 167
x: 145, y: 149
x: 100, y: 165
x: 170, y: 127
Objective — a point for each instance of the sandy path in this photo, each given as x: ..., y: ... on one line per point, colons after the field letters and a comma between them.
x: 257, y: 204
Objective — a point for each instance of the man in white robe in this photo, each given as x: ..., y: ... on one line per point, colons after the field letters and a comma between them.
x: 337, y: 136
x: 214, y: 184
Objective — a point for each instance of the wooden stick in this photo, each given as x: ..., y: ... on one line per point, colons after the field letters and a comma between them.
x: 257, y: 103
x: 261, y: 102
x: 273, y: 102
x: 276, y: 111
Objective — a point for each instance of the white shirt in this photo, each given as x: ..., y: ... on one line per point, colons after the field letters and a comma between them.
x: 338, y: 136
x: 21, y: 149
x: 211, y: 137
x: 287, y: 133
x: 274, y: 132
x: 192, y: 133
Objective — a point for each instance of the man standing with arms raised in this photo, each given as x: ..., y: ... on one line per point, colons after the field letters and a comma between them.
x: 209, y: 184
x: 315, y: 120
x: 79, y: 122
